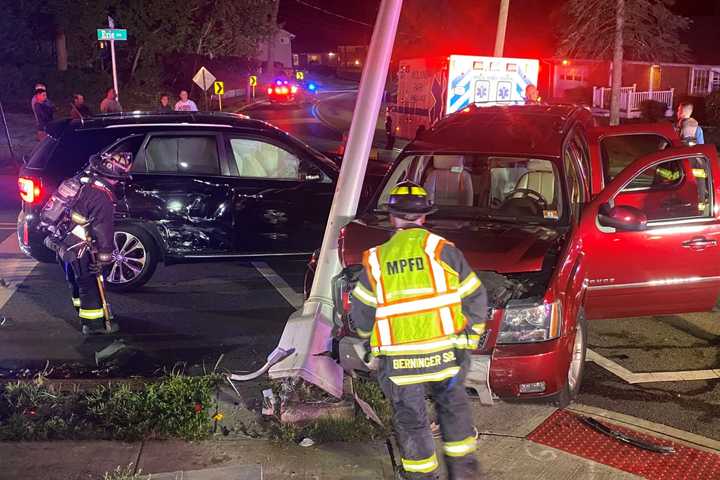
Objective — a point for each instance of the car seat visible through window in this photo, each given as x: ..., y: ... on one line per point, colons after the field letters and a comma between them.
x: 448, y: 183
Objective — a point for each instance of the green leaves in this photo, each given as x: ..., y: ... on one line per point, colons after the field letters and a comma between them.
x: 157, y: 410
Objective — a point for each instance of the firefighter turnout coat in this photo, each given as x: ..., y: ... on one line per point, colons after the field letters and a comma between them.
x: 421, y: 306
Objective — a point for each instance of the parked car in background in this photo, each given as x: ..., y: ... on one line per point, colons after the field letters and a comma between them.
x: 204, y: 187
x: 564, y: 222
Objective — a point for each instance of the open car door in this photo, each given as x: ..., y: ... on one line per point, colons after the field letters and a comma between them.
x: 614, y: 148
x: 651, y: 238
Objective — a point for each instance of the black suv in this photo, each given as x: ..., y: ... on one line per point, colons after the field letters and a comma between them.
x: 204, y: 186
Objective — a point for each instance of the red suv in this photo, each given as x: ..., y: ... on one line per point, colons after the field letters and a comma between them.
x: 564, y: 222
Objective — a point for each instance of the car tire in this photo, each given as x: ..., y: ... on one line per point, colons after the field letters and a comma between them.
x: 134, y: 260
x: 576, y: 368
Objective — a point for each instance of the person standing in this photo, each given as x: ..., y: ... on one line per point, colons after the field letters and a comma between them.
x: 94, y: 210
x: 389, y: 132
x: 423, y: 309
x: 164, y: 106
x: 43, y: 111
x: 185, y: 104
x: 78, y: 108
x: 687, y: 127
x: 110, y: 104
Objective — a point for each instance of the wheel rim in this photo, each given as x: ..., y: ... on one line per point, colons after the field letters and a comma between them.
x: 128, y: 258
x: 576, y: 362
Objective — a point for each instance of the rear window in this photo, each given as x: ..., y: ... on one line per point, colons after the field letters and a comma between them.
x: 71, y: 153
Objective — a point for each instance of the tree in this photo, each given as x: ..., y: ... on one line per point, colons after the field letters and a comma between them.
x: 634, y: 29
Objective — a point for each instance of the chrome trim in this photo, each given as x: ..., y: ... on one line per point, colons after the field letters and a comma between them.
x: 250, y: 255
x: 656, y: 283
x: 182, y: 124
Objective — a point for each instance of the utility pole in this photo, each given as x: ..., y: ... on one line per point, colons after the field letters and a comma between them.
x: 616, y: 86
x: 309, y: 330
x: 501, y: 28
x: 111, y: 25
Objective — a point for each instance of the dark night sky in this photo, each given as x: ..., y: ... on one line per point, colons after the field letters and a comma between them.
x: 531, y: 30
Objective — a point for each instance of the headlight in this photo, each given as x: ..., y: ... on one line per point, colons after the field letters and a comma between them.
x: 530, y: 323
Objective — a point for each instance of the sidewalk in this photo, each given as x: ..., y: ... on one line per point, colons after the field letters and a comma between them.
x: 504, y: 451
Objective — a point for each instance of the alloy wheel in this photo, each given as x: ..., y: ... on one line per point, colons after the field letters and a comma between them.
x: 128, y: 258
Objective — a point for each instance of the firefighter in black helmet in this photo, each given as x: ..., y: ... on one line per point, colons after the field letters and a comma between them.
x: 423, y: 309
x: 93, y: 208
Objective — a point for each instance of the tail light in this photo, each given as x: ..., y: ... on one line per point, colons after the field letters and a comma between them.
x: 284, y: 90
x: 270, y: 90
x: 30, y: 189
x: 293, y: 89
x: 278, y: 90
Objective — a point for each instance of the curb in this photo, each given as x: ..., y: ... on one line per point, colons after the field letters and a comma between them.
x: 647, y: 426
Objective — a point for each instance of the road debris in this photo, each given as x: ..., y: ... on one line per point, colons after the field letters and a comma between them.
x: 307, y: 442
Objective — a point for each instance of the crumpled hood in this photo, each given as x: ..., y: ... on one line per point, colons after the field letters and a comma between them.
x: 498, y: 247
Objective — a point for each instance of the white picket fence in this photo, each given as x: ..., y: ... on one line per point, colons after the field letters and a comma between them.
x: 630, y: 100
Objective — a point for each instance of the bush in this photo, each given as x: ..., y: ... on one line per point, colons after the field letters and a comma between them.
x: 177, y: 406
x: 652, y: 110
x: 712, y: 109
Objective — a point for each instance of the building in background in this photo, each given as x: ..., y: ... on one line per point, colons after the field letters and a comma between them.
x: 275, y: 54
x: 351, y: 59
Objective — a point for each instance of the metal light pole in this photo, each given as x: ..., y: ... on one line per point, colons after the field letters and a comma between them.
x: 309, y: 330
x: 111, y: 25
x: 501, y: 27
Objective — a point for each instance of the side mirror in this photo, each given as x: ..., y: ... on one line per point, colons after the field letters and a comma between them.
x: 622, y: 217
x: 310, y: 173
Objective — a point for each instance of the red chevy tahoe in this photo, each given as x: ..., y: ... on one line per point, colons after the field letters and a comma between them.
x: 564, y: 222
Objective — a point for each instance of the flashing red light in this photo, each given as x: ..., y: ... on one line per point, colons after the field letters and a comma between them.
x: 566, y: 62
x: 270, y: 90
x: 30, y: 189
x: 284, y: 90
x: 293, y: 89
x: 277, y: 90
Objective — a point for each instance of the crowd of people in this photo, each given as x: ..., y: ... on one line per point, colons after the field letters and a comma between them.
x: 44, y: 109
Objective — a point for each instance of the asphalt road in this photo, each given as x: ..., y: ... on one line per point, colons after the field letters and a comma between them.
x: 192, y: 314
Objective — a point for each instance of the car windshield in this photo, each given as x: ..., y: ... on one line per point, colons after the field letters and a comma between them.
x: 473, y: 185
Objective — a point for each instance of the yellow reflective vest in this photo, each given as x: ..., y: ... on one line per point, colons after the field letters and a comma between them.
x: 417, y: 297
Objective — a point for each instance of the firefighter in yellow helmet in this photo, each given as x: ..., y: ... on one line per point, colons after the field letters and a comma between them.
x: 424, y: 310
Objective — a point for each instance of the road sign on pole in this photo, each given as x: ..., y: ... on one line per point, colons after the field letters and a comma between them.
x: 299, y: 75
x: 117, y: 34
x: 219, y: 88
x: 204, y: 79
x: 252, y: 80
x: 111, y: 24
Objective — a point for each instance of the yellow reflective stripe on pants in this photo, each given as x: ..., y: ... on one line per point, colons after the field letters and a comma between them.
x: 461, y: 448
x: 363, y: 333
x: 91, y: 314
x: 76, y: 302
x: 425, y: 377
x: 426, y: 465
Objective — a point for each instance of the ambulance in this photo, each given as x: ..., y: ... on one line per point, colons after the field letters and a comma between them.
x: 432, y: 88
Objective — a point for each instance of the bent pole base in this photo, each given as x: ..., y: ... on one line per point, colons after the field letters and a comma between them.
x: 309, y: 331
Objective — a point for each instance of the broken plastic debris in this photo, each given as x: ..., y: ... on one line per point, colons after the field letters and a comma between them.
x: 307, y: 442
x: 368, y: 410
x: 269, y: 402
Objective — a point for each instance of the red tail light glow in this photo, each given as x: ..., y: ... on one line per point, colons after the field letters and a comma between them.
x: 293, y: 89
x: 30, y: 189
x: 277, y: 90
x: 270, y: 90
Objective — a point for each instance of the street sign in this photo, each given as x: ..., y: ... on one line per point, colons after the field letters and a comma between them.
x: 219, y: 88
x: 253, y: 81
x: 117, y: 34
x: 204, y: 79
x: 299, y: 75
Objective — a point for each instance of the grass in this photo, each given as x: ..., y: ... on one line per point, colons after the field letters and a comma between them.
x: 325, y: 430
x: 126, y: 473
x: 175, y: 407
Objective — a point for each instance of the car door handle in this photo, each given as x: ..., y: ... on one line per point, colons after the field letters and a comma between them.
x: 699, y: 243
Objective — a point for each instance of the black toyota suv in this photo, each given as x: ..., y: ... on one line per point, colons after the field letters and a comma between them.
x: 204, y: 186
